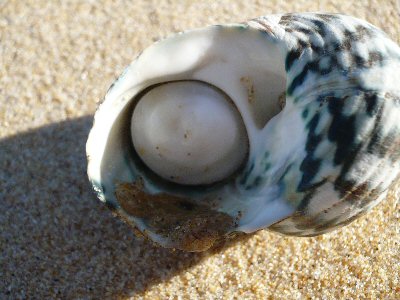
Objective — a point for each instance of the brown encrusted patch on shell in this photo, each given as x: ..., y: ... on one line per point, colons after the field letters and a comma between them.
x: 248, y: 84
x: 186, y: 225
x: 282, y: 101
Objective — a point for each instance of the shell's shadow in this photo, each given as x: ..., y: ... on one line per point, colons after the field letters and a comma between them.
x: 56, y: 239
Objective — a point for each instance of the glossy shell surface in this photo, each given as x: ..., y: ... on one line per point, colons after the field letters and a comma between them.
x: 319, y: 95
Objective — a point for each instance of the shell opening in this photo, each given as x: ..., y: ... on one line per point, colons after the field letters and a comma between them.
x: 189, y: 132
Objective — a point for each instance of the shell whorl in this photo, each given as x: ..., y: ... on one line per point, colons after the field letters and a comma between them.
x: 342, y: 74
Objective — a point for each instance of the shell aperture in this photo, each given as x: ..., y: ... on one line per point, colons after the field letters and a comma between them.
x: 325, y: 158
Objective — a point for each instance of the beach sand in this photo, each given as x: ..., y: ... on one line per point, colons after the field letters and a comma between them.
x: 57, y: 241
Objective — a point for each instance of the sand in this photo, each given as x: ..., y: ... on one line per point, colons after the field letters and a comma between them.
x: 57, y: 60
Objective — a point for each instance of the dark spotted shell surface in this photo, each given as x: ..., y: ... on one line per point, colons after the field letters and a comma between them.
x: 343, y: 75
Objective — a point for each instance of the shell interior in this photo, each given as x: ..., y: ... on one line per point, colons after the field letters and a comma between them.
x: 247, y: 65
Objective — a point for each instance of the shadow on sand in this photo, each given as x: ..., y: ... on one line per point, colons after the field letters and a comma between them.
x: 56, y: 238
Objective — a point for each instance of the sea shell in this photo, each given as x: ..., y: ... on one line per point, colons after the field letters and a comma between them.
x: 318, y: 96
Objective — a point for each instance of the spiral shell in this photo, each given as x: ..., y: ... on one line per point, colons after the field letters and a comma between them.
x: 319, y: 98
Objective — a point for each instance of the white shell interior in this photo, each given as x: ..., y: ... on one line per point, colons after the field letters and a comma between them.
x: 189, y: 132
x: 246, y: 64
